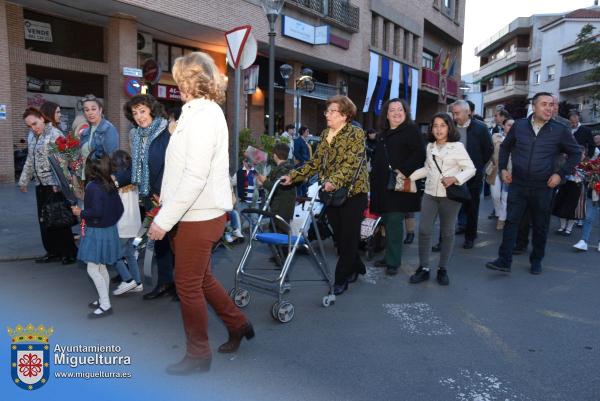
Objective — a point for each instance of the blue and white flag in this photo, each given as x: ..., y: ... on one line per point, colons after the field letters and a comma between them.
x: 385, y: 79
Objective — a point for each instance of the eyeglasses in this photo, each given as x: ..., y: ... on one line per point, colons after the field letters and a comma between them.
x: 330, y: 112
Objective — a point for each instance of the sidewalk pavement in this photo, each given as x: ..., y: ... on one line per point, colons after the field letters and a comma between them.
x: 19, y: 229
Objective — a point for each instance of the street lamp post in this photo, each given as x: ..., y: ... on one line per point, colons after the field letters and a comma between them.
x: 305, y: 82
x: 272, y: 8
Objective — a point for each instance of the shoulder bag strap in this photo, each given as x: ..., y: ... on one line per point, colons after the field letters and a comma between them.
x: 355, y: 177
x: 437, y: 165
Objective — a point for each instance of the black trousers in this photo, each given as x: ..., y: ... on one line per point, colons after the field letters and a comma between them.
x: 59, y: 241
x: 472, y: 207
x: 524, y: 228
x: 345, y: 221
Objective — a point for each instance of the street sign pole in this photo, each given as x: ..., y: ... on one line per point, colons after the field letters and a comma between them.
x: 236, y: 121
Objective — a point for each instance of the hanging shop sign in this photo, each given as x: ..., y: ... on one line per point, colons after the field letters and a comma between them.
x: 36, y: 30
x: 132, y: 86
x: 166, y: 92
x: 314, y: 35
x: 151, y: 71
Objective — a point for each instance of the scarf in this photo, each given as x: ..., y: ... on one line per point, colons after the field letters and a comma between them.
x: 140, y: 170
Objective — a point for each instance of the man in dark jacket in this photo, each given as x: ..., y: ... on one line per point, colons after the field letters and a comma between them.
x: 533, y: 143
x: 302, y: 154
x: 476, y: 138
x: 582, y: 134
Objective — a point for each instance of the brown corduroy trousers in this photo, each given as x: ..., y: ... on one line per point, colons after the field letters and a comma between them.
x: 192, y: 244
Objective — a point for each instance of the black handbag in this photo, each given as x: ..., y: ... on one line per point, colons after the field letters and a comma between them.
x: 339, y: 196
x: 56, y: 213
x: 455, y: 192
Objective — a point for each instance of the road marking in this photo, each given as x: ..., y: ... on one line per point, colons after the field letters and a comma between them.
x: 418, y: 318
x: 489, y: 335
x: 372, y: 275
x: 559, y: 315
x: 476, y: 386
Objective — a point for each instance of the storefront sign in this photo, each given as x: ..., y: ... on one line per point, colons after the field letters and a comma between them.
x: 151, y: 71
x: 167, y: 92
x: 304, y: 32
x: 133, y: 86
x: 40, y: 31
x: 132, y: 72
x: 339, y: 41
x: 2, y: 112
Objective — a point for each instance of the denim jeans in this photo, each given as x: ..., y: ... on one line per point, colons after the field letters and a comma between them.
x: 132, y: 269
x: 592, y: 211
x: 539, y: 203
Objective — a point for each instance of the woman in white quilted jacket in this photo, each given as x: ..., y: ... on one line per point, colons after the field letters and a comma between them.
x: 447, y: 163
x: 194, y: 202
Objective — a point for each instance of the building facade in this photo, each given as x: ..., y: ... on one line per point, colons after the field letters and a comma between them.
x: 530, y: 55
x: 60, y: 51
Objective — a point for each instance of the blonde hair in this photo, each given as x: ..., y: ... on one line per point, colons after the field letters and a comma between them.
x: 197, y: 75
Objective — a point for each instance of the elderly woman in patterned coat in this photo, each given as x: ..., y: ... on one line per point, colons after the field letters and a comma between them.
x: 339, y: 158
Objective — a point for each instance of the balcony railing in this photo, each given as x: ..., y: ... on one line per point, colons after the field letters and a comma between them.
x: 336, y: 12
x: 576, y: 80
x: 520, y: 56
x: 514, y: 89
x: 431, y: 79
x: 315, y: 5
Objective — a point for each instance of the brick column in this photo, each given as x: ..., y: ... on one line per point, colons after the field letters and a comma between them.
x: 121, y: 51
x: 6, y: 133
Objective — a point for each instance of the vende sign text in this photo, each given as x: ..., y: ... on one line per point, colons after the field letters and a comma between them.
x: 40, y: 31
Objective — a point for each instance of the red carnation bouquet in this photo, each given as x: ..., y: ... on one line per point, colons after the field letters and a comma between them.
x: 68, y: 153
x: 591, y: 169
x: 142, y: 239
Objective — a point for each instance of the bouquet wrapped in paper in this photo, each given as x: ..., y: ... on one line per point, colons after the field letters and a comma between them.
x: 68, y: 153
x: 142, y: 239
x: 258, y: 159
x: 591, y: 169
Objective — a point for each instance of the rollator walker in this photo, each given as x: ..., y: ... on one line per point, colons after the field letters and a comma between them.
x: 278, y: 283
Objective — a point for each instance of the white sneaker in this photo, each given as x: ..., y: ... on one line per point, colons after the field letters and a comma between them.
x: 125, y: 287
x: 138, y: 288
x: 581, y: 246
x: 238, y: 233
x: 228, y: 237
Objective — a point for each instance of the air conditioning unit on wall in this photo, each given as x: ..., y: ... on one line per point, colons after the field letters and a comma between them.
x: 144, y: 43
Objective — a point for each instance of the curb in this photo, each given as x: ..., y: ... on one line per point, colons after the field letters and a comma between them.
x: 19, y: 258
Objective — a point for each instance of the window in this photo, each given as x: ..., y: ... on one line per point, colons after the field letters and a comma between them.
x: 397, y: 38
x: 415, y: 49
x: 551, y: 70
x: 374, y: 30
x: 447, y: 3
x: 166, y: 53
x: 536, y: 77
x: 427, y: 61
x: 386, y: 25
x: 406, y: 44
x: 509, y: 79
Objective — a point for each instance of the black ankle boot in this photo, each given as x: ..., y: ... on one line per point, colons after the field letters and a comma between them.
x: 235, y: 338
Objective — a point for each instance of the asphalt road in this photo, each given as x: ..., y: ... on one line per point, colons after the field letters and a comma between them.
x: 487, y: 336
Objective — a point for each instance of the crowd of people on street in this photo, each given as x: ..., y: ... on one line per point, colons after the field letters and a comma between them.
x: 169, y: 189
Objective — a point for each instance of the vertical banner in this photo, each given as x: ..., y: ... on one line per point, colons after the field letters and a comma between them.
x: 373, y: 68
x: 385, y: 78
x: 414, y: 91
x: 395, y: 88
x: 405, y: 71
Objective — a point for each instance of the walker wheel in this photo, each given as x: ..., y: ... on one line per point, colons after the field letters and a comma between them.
x: 328, y: 300
x: 241, y: 298
x: 274, y: 310
x: 285, y: 313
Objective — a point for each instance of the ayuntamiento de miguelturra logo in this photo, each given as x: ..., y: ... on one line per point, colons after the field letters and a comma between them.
x: 30, y: 355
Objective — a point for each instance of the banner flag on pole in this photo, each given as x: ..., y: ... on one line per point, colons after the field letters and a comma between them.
x: 405, y: 71
x: 373, y: 69
x: 385, y: 78
x: 395, y: 88
x: 414, y: 91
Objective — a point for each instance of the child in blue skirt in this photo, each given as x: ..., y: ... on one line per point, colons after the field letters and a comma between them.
x: 99, y: 245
